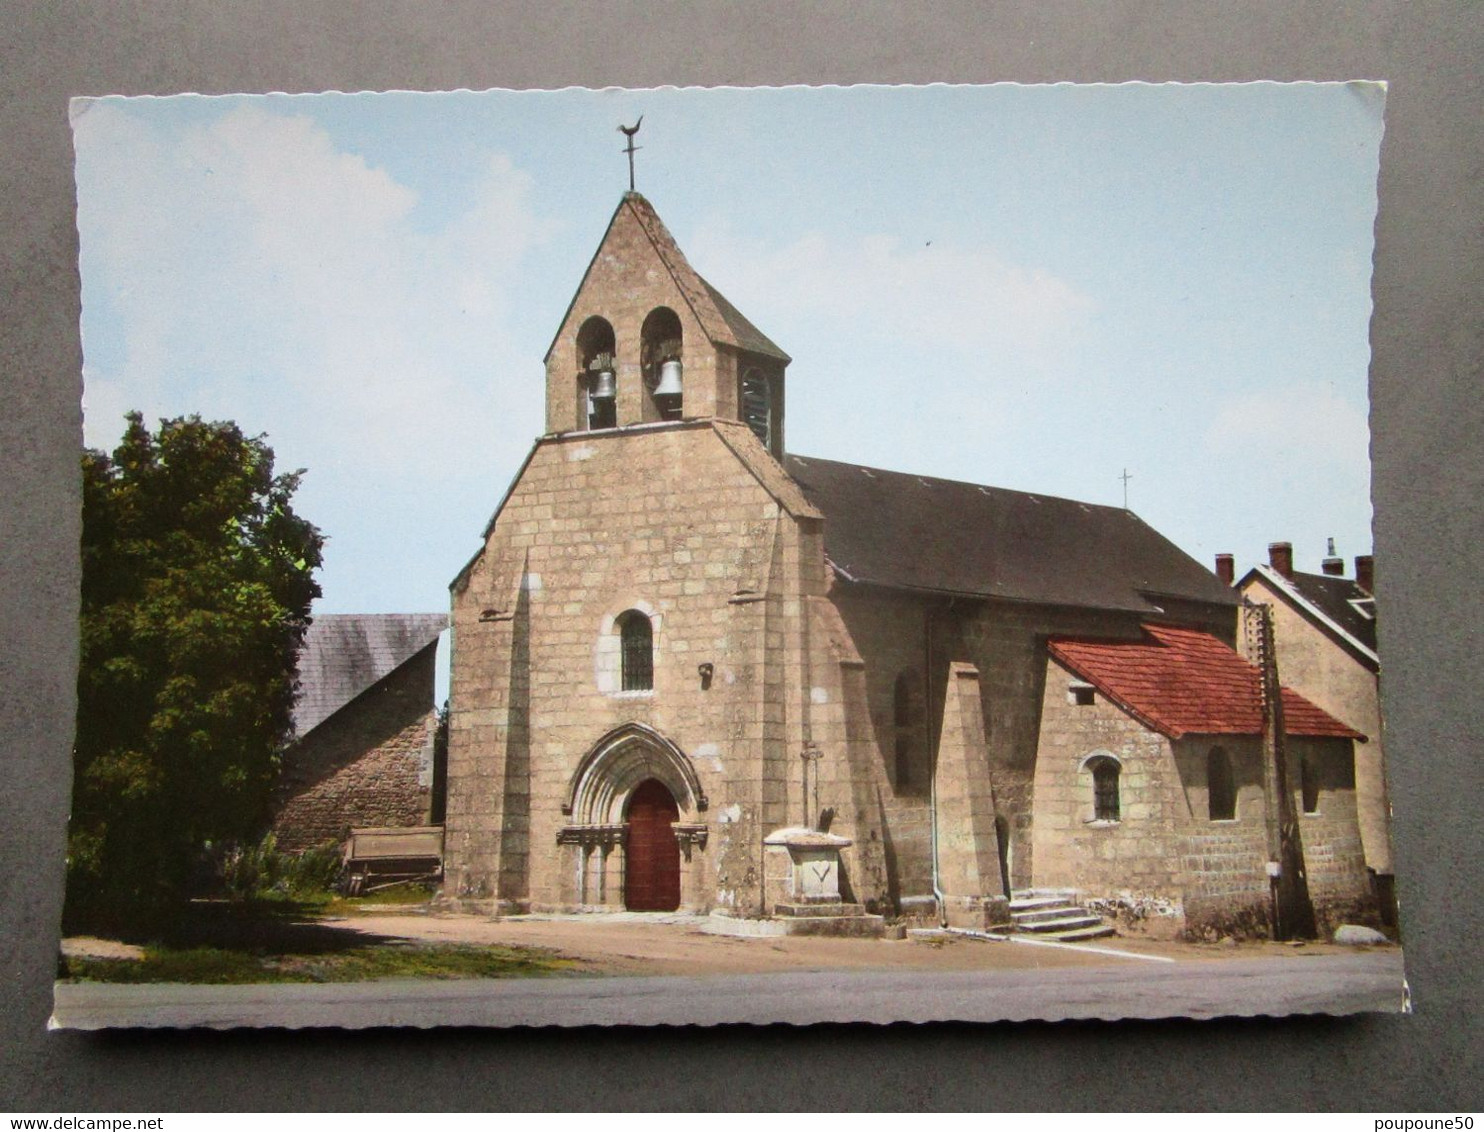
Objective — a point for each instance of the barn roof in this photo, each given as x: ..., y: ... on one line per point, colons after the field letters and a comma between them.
x: 1180, y: 681
x: 346, y: 653
x: 922, y: 533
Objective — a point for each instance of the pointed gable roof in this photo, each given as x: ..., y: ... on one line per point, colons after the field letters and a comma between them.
x: 344, y: 654
x: 723, y: 323
x: 1338, y: 606
x: 1180, y: 682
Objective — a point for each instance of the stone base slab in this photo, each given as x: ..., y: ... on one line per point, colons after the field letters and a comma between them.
x: 978, y: 913
x: 859, y: 925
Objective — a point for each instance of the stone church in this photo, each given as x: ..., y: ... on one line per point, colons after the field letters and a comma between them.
x: 679, y: 643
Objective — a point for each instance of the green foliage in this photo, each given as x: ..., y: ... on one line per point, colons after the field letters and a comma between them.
x: 350, y: 965
x: 197, y: 582
x: 261, y: 872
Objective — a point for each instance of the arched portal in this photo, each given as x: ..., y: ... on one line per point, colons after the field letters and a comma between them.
x: 652, y: 873
x: 635, y: 826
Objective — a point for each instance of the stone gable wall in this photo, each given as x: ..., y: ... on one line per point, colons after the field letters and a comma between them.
x: 1322, y: 671
x: 1132, y: 857
x: 665, y: 519
x: 1007, y: 644
x: 627, y: 280
x: 369, y: 764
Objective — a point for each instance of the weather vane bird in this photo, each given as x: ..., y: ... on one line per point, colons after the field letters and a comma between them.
x: 629, y: 132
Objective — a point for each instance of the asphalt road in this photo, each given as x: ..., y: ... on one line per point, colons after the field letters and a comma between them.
x: 1317, y: 984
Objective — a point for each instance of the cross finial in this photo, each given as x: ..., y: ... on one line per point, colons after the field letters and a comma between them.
x: 629, y: 132
x: 1125, y: 478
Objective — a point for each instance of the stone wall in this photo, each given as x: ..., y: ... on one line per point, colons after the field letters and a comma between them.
x: 369, y: 764
x: 1167, y: 865
x: 1007, y: 644
x: 1322, y: 670
x: 1133, y: 859
x: 1334, y: 853
x: 695, y: 525
x: 624, y: 284
x: 890, y: 632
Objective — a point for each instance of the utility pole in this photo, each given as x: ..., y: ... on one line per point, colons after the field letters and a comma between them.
x: 1288, y: 883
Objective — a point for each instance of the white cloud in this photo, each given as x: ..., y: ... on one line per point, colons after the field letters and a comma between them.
x: 1298, y: 429
x: 247, y: 267
x: 878, y: 288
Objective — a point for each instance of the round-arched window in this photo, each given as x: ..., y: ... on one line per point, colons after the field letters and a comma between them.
x: 1105, y: 773
x: 636, y: 652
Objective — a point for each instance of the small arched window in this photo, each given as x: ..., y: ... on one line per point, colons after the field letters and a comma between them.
x: 1221, y: 788
x: 906, y: 717
x: 1104, y: 788
x: 636, y: 652
x: 1309, y: 786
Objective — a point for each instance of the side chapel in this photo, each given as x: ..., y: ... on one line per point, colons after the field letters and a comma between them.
x: 678, y: 640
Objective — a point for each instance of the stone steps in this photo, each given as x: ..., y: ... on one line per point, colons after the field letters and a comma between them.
x: 1055, y: 915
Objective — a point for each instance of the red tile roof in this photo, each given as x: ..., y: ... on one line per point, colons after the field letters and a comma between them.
x: 1179, y: 682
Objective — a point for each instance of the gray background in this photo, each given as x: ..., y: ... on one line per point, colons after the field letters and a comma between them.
x: 1425, y: 419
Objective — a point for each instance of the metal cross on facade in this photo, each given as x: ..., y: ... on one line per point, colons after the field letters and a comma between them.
x: 629, y: 132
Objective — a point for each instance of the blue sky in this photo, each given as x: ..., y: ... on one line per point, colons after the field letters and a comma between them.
x: 1032, y: 287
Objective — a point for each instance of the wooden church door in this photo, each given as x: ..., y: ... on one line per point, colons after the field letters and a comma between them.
x: 652, y: 874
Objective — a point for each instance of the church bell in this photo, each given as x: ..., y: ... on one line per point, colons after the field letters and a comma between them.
x: 669, y: 383
x: 605, y: 387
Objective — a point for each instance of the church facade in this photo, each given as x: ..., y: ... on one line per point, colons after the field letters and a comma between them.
x: 677, y: 639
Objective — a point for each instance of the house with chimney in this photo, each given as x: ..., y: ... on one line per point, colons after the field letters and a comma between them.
x: 1325, y: 636
x: 1174, y: 835
x: 694, y: 670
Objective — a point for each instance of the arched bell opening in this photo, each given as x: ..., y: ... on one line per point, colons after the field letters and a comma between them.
x: 597, y: 374
x: 661, y: 342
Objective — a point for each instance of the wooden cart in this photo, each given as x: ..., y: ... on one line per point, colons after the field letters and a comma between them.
x: 381, y: 856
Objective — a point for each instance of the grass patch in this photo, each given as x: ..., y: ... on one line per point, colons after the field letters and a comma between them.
x: 162, y: 964
x: 395, y: 894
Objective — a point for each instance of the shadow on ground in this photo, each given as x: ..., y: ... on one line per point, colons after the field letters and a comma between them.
x: 277, y: 927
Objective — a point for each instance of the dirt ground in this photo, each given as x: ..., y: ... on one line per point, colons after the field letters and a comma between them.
x: 635, y: 944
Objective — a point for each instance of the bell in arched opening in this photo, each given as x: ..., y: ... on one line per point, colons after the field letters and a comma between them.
x: 597, y: 376
x: 661, y: 346
x: 669, y: 383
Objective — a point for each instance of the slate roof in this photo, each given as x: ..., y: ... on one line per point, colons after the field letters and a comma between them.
x: 1180, y: 682
x: 922, y: 533
x: 1330, y: 599
x: 346, y: 653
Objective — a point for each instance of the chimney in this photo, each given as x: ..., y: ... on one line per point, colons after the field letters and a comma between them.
x: 1365, y: 572
x: 1226, y: 569
x: 1333, y: 565
x: 1280, y: 557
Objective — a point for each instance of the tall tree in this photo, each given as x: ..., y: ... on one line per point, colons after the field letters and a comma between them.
x: 197, y: 582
